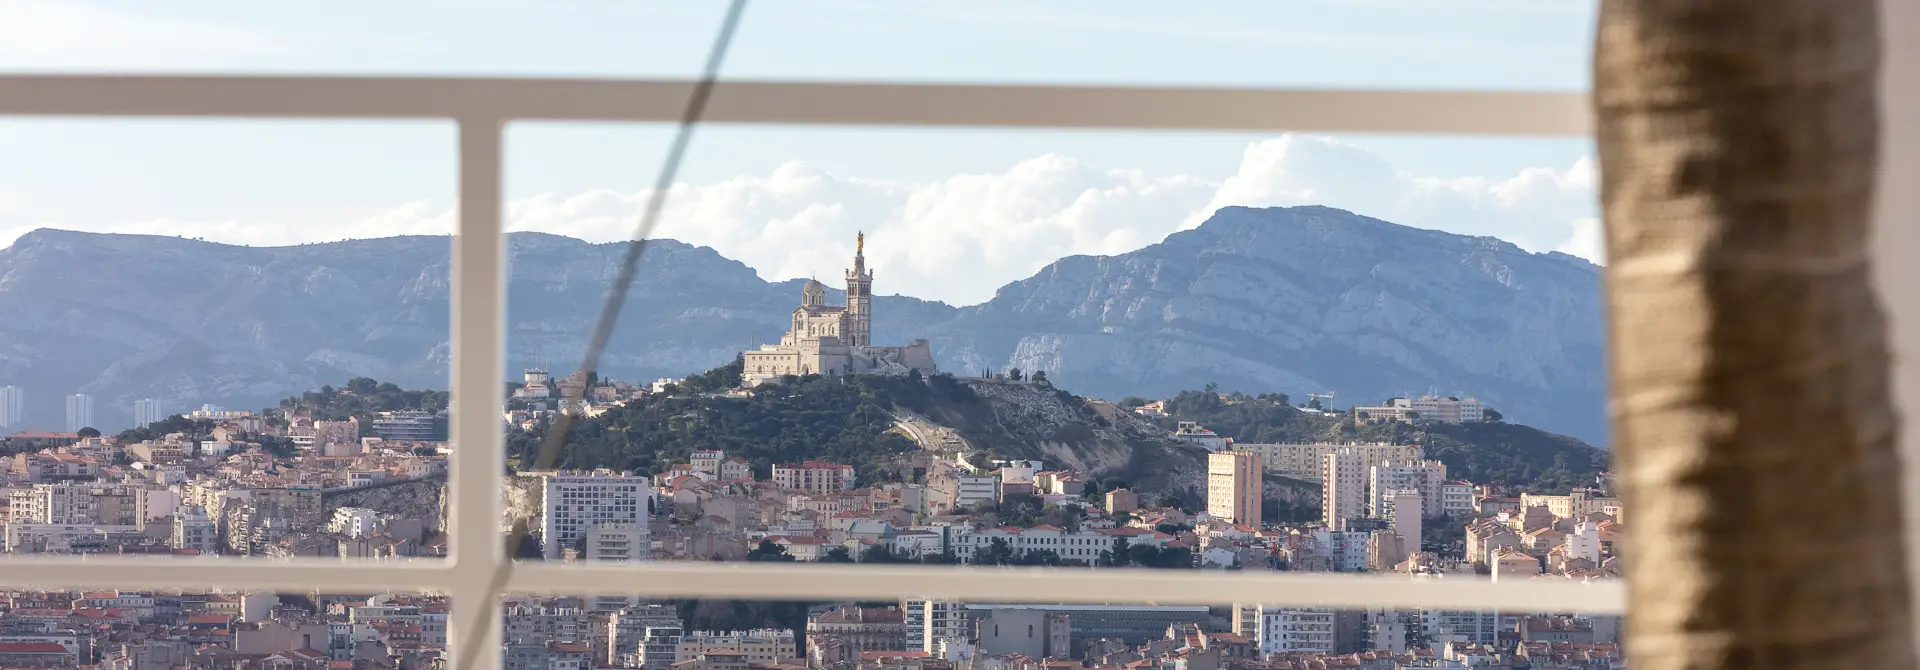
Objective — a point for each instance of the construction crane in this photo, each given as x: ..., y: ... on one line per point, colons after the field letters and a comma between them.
x: 1313, y: 399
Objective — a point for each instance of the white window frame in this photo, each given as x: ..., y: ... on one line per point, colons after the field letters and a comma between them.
x: 480, y: 107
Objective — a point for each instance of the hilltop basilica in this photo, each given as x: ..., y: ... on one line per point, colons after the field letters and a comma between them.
x: 834, y: 339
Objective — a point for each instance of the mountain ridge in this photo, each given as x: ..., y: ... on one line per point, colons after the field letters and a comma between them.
x: 1299, y: 299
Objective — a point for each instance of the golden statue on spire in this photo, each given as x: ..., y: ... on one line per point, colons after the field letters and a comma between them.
x: 860, y: 242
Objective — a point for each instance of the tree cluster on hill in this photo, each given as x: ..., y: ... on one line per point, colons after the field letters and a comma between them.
x: 1484, y: 452
x: 1264, y: 418
x: 1026, y: 510
x: 1123, y: 554
x: 719, y: 379
x: 362, y: 398
x: 843, y: 419
x: 193, y: 428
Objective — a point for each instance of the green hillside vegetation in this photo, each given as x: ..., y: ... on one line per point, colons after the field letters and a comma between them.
x: 1486, y: 453
x: 846, y: 419
x: 850, y: 419
x: 841, y: 419
x: 362, y: 398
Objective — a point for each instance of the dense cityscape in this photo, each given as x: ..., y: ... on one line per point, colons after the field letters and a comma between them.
x: 359, y: 473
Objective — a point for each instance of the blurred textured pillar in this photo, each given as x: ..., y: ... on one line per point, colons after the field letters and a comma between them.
x: 1753, y: 422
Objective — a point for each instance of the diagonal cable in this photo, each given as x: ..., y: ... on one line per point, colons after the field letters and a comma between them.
x: 556, y: 437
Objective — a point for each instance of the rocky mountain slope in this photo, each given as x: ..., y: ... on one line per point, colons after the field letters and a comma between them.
x: 1308, y: 299
x: 1303, y: 299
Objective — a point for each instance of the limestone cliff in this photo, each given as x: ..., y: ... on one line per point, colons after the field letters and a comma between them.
x: 424, y: 499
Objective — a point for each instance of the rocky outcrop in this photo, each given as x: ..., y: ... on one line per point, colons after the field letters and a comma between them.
x: 1039, y: 421
x: 424, y: 499
x: 1302, y: 299
x: 520, y: 498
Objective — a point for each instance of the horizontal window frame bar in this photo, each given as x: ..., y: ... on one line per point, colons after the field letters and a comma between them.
x: 1356, y: 110
x: 764, y: 581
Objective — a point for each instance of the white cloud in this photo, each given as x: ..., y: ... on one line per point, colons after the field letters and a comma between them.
x: 960, y: 238
x: 1535, y: 209
x: 1588, y: 241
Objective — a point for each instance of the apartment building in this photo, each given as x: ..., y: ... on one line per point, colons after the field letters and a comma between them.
x: 1426, y: 477
x: 814, y: 477
x: 1130, y: 624
x: 1286, y: 629
x: 1078, y: 546
x: 1577, y: 503
x: 1475, y: 627
x: 1024, y: 632
x: 1343, y: 481
x: 1449, y: 409
x: 1304, y: 460
x: 73, y: 502
x: 864, y: 628
x: 578, y: 502
x: 1234, y: 487
x: 147, y: 411
x: 1193, y: 433
x: 1424, y: 408
x: 762, y: 645
x: 79, y: 411
x: 537, y: 621
x: 929, y: 622
x: 411, y: 426
x: 619, y: 542
x: 1403, y: 511
x: 1456, y: 498
x: 194, y: 530
x: 1342, y: 551
x: 354, y: 522
x: 646, y: 635
x: 707, y: 460
x: 13, y: 401
x: 337, y: 432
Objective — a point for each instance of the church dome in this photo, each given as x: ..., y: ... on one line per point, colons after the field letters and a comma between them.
x: 814, y: 294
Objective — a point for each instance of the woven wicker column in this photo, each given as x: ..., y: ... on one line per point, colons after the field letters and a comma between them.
x: 1753, y: 424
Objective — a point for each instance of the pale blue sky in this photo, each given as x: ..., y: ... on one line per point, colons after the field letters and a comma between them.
x: 283, y: 182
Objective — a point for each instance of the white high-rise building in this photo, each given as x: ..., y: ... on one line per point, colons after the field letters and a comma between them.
x: 147, y: 411
x: 1427, y: 477
x: 1343, y: 481
x: 579, y: 502
x: 79, y: 411
x: 12, y: 407
x: 1286, y: 629
x: 619, y: 542
x: 931, y: 622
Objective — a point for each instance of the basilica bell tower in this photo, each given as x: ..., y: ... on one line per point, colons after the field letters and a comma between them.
x: 860, y: 296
